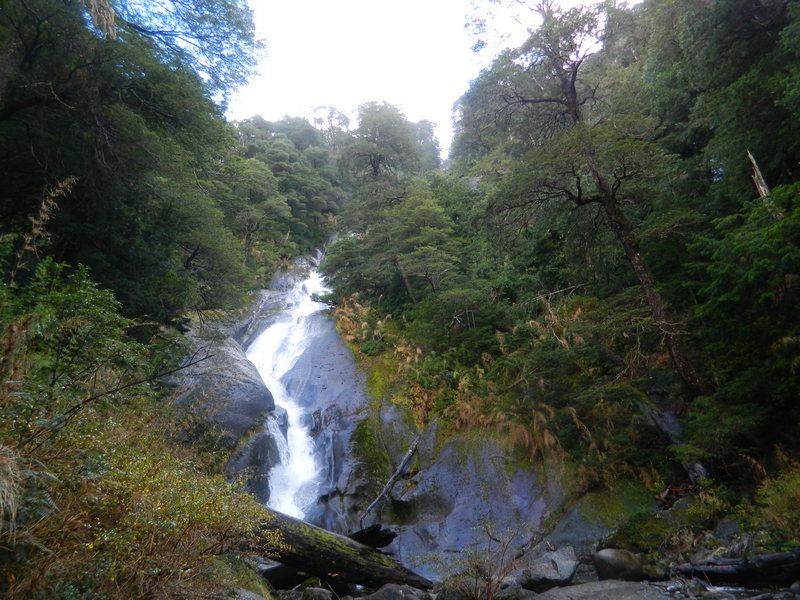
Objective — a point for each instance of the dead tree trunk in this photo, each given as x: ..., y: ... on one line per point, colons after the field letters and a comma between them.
x: 761, y: 569
x: 395, y: 476
x: 329, y: 555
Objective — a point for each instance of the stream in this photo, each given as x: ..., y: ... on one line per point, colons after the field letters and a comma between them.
x: 295, y: 482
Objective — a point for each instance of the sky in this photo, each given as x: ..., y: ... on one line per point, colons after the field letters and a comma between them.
x: 414, y: 54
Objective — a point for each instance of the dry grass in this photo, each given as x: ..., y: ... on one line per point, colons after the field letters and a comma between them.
x: 10, y: 486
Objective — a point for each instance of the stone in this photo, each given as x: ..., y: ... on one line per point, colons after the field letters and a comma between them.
x: 256, y: 458
x: 227, y: 388
x: 607, y: 590
x: 553, y: 568
x: 613, y: 563
x: 314, y: 593
x: 582, y: 526
x: 392, y: 591
x: 515, y: 592
x: 463, y: 485
x: 241, y: 594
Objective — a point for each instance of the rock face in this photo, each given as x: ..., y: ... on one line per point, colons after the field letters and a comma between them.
x: 326, y: 382
x: 393, y: 591
x: 468, y: 500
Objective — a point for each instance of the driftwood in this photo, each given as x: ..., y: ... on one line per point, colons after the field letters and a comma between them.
x: 395, y: 476
x: 759, y: 569
x: 329, y: 555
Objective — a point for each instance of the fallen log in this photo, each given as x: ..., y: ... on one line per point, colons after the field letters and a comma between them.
x: 756, y: 570
x: 329, y: 555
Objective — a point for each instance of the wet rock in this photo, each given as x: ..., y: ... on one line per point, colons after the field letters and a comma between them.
x: 583, y: 526
x: 330, y: 388
x: 392, y: 591
x: 314, y: 593
x: 240, y: 594
x: 282, y: 419
x: 550, y: 569
x: 256, y: 458
x: 613, y: 563
x: 445, y: 508
x: 515, y: 592
x: 607, y: 590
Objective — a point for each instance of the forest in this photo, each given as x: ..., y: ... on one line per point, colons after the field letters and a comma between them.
x: 612, y: 246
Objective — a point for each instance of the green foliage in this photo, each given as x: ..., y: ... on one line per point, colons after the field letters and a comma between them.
x: 161, y: 206
x: 776, y: 505
x: 216, y: 38
x: 749, y: 275
x: 304, y: 192
x: 97, y: 498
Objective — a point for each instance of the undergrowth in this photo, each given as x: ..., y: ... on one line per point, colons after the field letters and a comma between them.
x: 98, y: 498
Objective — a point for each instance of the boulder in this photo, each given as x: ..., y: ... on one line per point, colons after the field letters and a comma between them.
x: 255, y: 458
x: 607, y: 590
x: 595, y: 516
x: 613, y: 563
x: 469, y: 500
x: 515, y: 592
x: 314, y: 593
x: 393, y: 591
x: 227, y: 388
x: 550, y: 569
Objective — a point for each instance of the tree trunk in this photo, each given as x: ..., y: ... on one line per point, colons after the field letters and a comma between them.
x: 329, y: 555
x: 622, y: 229
x: 406, y: 282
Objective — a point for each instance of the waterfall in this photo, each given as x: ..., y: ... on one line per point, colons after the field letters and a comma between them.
x: 293, y: 483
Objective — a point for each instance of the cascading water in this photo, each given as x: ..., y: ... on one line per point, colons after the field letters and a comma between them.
x: 294, y: 482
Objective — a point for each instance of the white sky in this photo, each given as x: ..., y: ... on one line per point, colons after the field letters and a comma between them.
x: 414, y: 54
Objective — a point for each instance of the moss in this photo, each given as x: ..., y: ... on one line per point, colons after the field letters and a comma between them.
x: 610, y: 507
x: 643, y: 532
x: 231, y: 570
x: 373, y: 459
x: 381, y: 375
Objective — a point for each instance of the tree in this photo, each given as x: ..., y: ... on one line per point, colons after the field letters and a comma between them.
x: 136, y: 129
x: 574, y: 157
x: 407, y: 242
x: 384, y: 144
x: 216, y: 38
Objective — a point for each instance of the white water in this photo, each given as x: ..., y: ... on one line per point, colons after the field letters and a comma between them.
x: 293, y: 483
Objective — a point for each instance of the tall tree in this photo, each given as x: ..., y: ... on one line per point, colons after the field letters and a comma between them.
x: 384, y: 144
x: 574, y: 152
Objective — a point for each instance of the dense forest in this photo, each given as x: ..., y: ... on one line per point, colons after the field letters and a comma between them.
x: 612, y: 247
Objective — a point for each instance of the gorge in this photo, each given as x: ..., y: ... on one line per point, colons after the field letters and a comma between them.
x: 327, y: 448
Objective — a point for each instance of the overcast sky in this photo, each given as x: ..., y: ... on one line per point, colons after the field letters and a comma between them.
x: 414, y: 54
